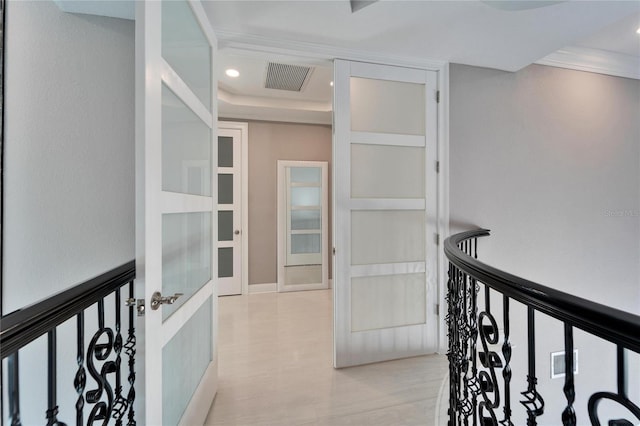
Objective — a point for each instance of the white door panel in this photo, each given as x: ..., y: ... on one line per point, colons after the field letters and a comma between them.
x: 176, y: 221
x: 385, y: 288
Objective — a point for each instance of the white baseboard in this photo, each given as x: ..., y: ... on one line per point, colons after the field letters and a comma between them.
x: 263, y: 288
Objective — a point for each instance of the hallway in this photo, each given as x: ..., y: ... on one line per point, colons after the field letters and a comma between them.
x: 275, y: 368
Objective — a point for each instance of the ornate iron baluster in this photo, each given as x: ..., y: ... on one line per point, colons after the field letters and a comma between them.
x: 453, y: 366
x: 490, y: 360
x: 456, y: 355
x: 100, y: 351
x: 475, y: 385
x: 533, y: 401
x: 506, y: 372
x: 120, y: 404
x: 621, y: 397
x: 52, y: 411
x: 13, y: 365
x: 569, y: 414
x: 130, y: 350
x: 463, y: 325
x: 80, y: 380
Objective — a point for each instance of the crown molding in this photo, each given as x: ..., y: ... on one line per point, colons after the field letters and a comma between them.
x: 594, y: 60
x: 321, y: 52
x: 281, y: 103
x: 123, y: 9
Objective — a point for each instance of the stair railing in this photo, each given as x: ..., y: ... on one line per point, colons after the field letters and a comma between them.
x: 480, y: 369
x: 98, y: 381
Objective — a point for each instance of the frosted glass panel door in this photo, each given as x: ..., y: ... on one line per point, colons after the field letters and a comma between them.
x: 302, y: 225
x: 385, y: 184
x: 176, y: 217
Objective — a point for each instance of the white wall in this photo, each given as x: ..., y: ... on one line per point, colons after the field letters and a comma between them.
x: 549, y: 160
x: 69, y: 174
x: 69, y: 155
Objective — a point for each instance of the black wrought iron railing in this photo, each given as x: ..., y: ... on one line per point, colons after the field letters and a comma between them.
x: 481, y: 378
x: 98, y: 380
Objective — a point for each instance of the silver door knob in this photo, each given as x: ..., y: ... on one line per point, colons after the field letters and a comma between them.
x: 237, y: 232
x: 157, y: 299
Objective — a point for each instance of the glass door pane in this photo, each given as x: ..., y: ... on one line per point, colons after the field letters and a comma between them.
x: 186, y: 256
x: 186, y: 49
x: 186, y: 148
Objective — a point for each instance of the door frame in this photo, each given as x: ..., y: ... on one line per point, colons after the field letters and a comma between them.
x: 244, y: 196
x: 320, y: 53
x: 282, y: 218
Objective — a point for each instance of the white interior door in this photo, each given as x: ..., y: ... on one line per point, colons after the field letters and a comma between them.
x: 230, y: 207
x: 303, y: 225
x: 385, y: 269
x: 176, y: 221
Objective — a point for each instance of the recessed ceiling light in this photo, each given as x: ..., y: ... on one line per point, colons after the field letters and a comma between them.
x: 331, y: 83
x: 232, y: 73
x: 638, y: 31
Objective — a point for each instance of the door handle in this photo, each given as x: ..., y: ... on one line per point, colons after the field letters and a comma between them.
x: 237, y: 232
x: 157, y: 299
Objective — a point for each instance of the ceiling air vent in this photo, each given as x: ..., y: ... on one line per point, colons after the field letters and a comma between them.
x: 286, y: 77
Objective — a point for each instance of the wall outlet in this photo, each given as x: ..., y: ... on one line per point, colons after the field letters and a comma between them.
x: 557, y: 364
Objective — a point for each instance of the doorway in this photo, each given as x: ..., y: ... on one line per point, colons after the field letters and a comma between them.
x: 385, y: 182
x: 303, y: 225
x: 232, y: 213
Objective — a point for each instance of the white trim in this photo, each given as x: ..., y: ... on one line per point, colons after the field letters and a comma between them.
x: 392, y: 139
x: 199, y: 406
x: 594, y: 60
x: 282, y: 103
x: 303, y: 287
x: 236, y: 40
x: 244, y: 171
x: 263, y: 288
x: 388, y: 72
x: 443, y: 201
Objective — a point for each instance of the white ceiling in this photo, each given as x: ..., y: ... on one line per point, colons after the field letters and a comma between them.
x: 468, y: 32
x: 477, y: 33
x: 618, y: 37
x: 506, y: 35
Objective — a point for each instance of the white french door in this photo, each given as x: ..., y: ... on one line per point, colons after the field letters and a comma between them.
x: 303, y: 240
x: 232, y: 142
x: 385, y: 265
x: 176, y: 221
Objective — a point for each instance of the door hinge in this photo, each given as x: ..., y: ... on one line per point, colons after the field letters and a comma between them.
x: 437, y: 309
x: 138, y: 303
x: 437, y: 96
x: 437, y: 238
x: 334, y: 251
x: 437, y: 167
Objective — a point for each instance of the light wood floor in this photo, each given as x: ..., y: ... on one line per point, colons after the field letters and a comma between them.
x: 275, y: 368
